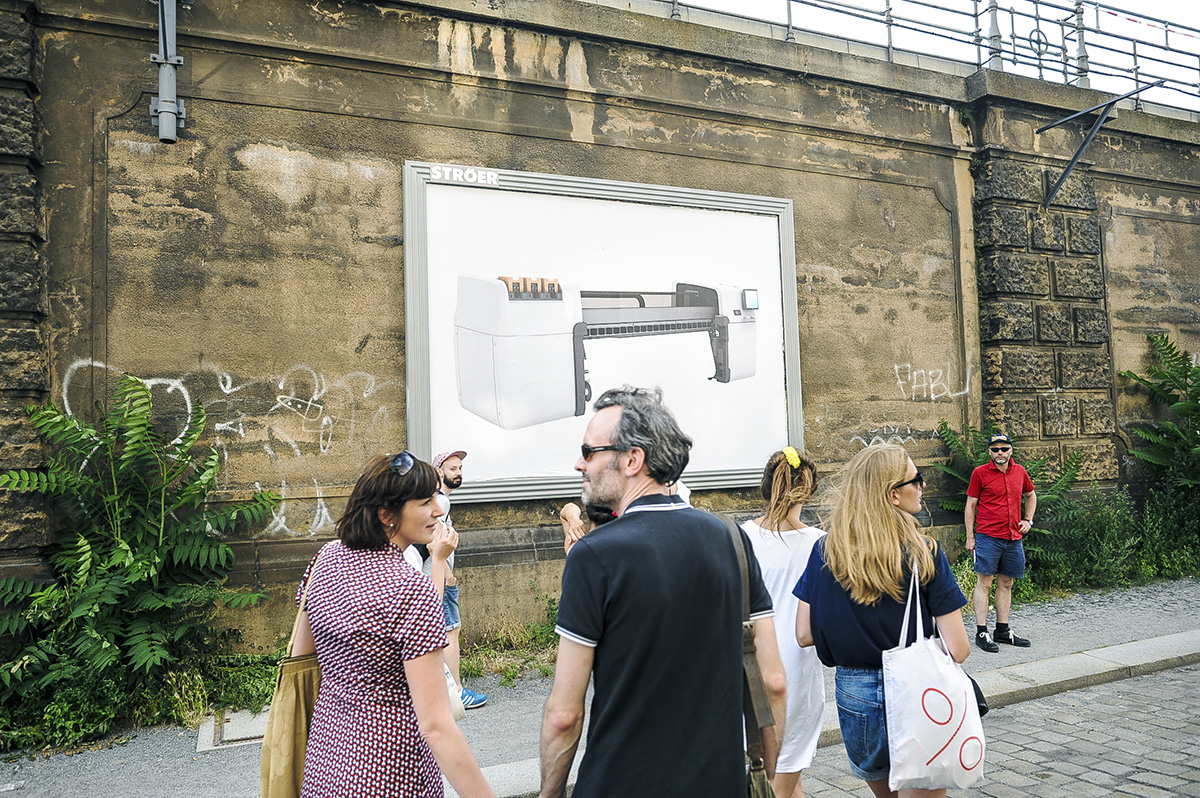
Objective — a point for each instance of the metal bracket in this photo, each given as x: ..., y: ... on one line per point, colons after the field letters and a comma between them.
x: 180, y: 112
x: 1087, y: 140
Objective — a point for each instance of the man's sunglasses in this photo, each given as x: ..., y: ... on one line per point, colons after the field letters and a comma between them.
x: 588, y: 451
x: 402, y: 463
x: 1000, y: 448
x: 917, y: 480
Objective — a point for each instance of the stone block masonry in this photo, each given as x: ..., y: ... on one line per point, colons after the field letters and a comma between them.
x: 24, y: 355
x: 1048, y: 377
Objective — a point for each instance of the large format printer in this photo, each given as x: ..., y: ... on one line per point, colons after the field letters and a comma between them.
x: 519, y: 341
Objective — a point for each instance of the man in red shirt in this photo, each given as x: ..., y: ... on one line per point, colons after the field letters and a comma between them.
x: 1000, y: 506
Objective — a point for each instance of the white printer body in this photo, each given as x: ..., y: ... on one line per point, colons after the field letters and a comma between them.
x: 519, y: 342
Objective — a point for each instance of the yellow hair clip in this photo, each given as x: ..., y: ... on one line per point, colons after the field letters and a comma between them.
x: 793, y: 456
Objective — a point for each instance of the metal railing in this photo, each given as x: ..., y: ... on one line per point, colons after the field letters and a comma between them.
x: 1080, y: 42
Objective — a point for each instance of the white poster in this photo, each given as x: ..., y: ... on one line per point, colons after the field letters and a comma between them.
x: 535, y: 303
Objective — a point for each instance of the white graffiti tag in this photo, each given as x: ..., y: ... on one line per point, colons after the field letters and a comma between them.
x: 927, y: 385
x: 282, y: 424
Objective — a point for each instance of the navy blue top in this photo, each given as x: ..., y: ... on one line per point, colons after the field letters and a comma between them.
x: 658, y: 593
x: 853, y: 635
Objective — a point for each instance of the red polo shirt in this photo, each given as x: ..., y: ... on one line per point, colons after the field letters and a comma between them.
x: 1000, y: 495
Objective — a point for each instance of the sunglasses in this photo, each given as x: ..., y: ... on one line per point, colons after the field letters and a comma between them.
x: 917, y: 480
x: 588, y: 451
x: 1000, y: 448
x: 402, y: 463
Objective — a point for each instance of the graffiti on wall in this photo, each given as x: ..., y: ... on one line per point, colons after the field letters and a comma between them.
x: 283, y: 433
x: 927, y: 384
x: 899, y: 434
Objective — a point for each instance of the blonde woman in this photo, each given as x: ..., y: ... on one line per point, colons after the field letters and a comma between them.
x: 853, y: 593
x: 782, y: 545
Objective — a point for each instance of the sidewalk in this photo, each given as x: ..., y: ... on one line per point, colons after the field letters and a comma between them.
x: 1088, y: 639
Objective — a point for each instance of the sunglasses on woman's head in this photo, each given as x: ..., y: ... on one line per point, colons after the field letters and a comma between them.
x: 917, y: 480
x: 402, y: 463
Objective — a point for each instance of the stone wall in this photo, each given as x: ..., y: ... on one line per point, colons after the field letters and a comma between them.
x: 256, y: 265
x: 24, y: 373
x: 1048, y: 373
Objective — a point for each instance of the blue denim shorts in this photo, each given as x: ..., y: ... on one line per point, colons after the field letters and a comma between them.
x: 863, y: 720
x: 450, y: 607
x: 996, y: 556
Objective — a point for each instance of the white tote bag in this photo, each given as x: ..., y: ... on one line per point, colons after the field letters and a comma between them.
x: 935, y: 736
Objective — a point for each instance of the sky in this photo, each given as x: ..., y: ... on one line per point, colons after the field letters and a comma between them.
x: 1146, y: 23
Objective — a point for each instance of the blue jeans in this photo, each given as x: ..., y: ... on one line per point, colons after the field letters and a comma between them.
x: 450, y: 607
x: 863, y: 720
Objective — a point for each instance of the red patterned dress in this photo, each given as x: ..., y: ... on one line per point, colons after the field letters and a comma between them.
x: 370, y: 611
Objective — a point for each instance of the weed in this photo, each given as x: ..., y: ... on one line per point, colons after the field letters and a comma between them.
x: 513, y: 654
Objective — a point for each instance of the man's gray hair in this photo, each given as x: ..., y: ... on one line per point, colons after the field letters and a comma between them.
x: 647, y: 424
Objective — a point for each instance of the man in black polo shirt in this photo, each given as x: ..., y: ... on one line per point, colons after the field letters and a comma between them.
x: 651, y: 608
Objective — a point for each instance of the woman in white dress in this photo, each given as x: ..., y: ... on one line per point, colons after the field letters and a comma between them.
x: 782, y: 543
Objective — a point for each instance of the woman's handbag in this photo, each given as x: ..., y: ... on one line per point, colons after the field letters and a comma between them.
x: 282, y: 770
x: 935, y: 736
x: 755, y: 704
x: 980, y: 698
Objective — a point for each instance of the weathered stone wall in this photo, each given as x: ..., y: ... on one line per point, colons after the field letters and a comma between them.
x: 24, y: 374
x: 256, y: 265
x: 1069, y: 293
x: 1043, y: 319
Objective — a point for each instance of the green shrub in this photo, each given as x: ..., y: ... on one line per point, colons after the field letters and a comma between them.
x: 1170, y: 532
x: 1093, y: 541
x: 138, y: 565
x: 1172, y: 449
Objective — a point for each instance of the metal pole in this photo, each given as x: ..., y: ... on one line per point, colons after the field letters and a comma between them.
x: 167, y: 109
x: 675, y: 10
x: 1081, y: 55
x: 887, y: 21
x: 1062, y: 37
x: 995, y: 54
x: 1137, y: 101
x: 978, y: 35
x: 791, y: 32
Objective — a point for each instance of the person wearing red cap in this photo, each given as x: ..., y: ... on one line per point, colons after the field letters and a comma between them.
x: 1000, y: 507
x: 450, y: 466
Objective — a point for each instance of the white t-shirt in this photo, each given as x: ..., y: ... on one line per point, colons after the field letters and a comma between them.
x: 782, y: 557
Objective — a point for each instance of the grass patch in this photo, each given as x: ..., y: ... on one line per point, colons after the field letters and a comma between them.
x: 512, y: 655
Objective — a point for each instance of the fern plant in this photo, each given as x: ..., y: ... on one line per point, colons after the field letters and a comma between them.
x: 138, y: 566
x: 1173, y: 449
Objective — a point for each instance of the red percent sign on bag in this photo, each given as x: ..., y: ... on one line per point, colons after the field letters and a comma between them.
x: 949, y: 712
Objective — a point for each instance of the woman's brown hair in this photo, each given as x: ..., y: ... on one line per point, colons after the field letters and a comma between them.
x: 388, y: 482
x: 785, y: 485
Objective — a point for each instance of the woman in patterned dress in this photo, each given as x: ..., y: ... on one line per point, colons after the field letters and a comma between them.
x: 782, y: 544
x: 382, y: 724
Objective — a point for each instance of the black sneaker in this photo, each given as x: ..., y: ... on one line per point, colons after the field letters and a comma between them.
x: 984, y: 641
x: 1011, y: 639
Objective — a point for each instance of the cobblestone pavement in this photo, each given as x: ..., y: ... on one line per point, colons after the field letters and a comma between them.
x: 1136, y: 737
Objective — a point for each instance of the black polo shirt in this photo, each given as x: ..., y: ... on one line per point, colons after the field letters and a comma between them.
x: 657, y: 593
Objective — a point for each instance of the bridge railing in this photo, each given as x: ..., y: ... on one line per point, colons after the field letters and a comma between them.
x: 1080, y: 42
